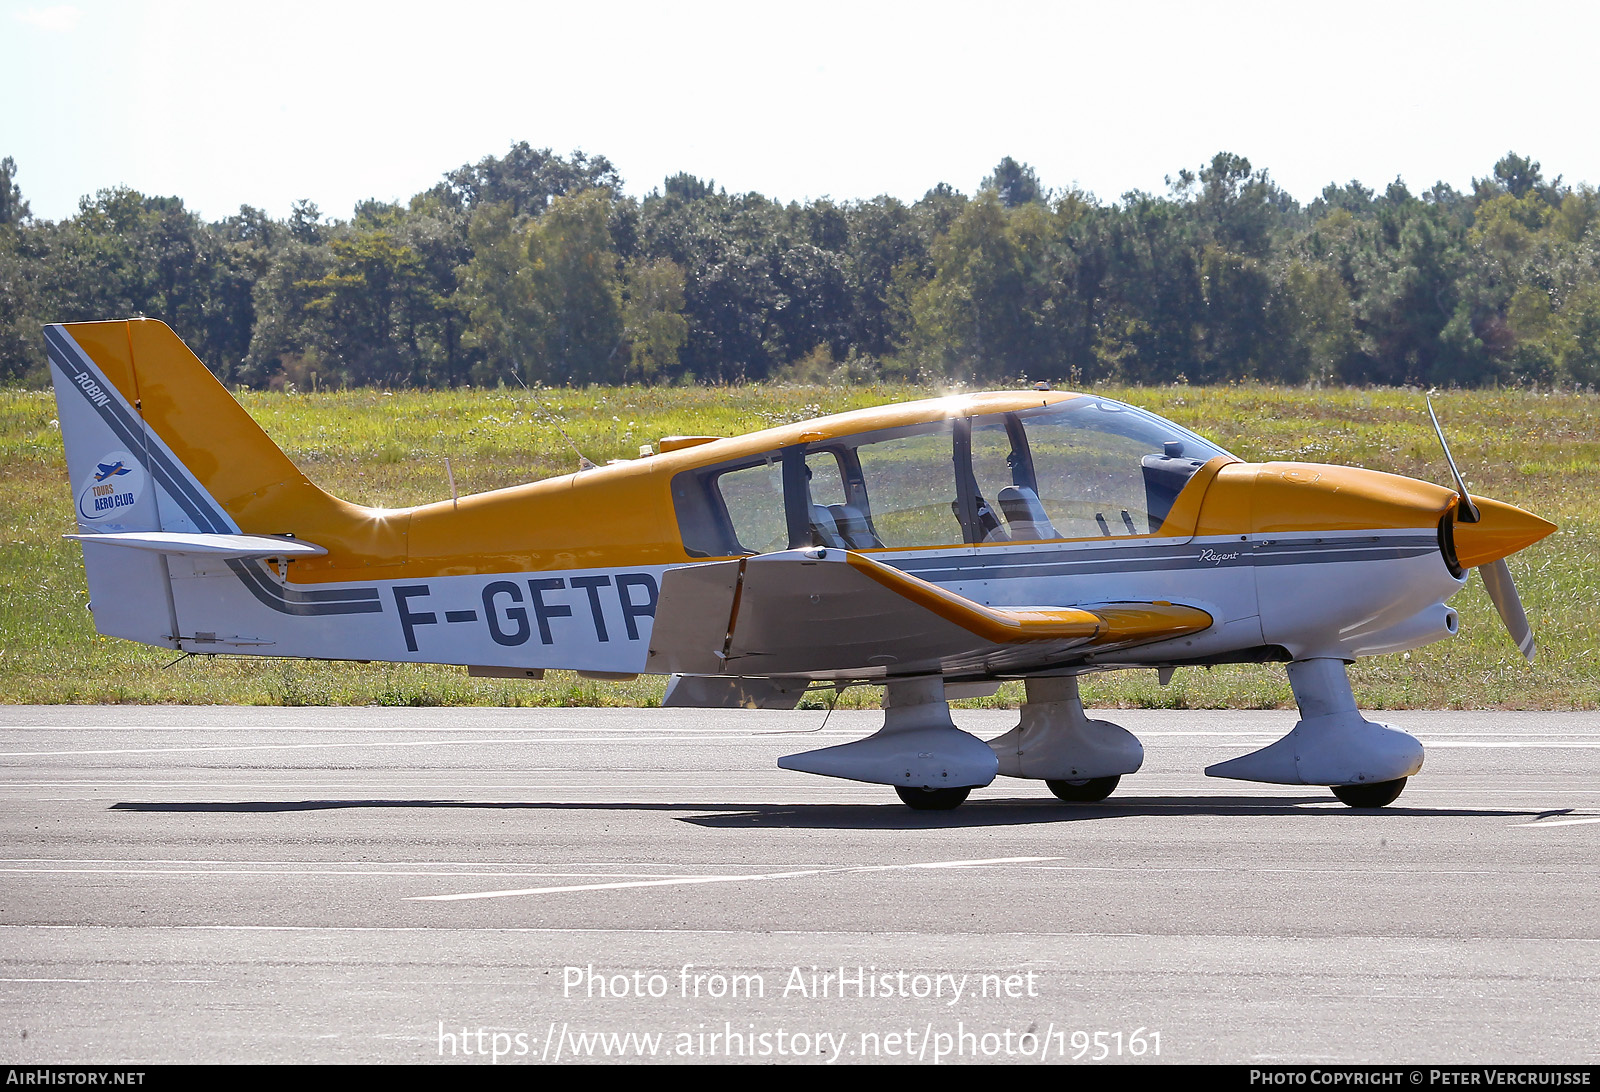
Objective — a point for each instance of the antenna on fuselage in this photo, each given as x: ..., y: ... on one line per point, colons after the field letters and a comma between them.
x: 583, y: 460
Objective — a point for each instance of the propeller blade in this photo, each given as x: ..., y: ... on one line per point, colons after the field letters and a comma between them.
x: 1503, y: 593
x: 1466, y: 511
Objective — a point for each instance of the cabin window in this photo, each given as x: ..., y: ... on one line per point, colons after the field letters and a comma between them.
x: 826, y: 478
x: 732, y: 509
x: 911, y: 482
x: 754, y: 499
x: 885, y: 490
x: 1092, y: 467
x: 999, y: 477
x: 1085, y: 468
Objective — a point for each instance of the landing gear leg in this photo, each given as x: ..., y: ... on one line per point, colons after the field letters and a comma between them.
x: 1364, y: 762
x: 931, y: 763
x: 1079, y: 759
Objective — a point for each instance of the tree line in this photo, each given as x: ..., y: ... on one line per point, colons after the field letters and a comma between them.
x: 534, y: 267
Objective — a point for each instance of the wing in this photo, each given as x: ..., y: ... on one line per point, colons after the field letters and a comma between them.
x: 827, y: 613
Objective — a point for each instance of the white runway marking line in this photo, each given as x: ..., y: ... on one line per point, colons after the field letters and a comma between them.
x: 254, y: 747
x: 539, y: 741
x: 1430, y: 739
x: 386, y: 730
x: 634, y: 878
x: 296, y: 872
x: 730, y: 879
x: 389, y: 775
x: 1561, y: 822
x: 119, y: 981
x: 1519, y: 744
x: 618, y: 868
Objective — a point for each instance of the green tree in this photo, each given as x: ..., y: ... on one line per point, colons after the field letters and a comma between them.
x: 546, y: 294
x: 1014, y: 183
x: 373, y: 306
x: 725, y: 247
x: 995, y: 306
x: 305, y: 223
x: 1578, y: 356
x: 128, y: 254
x: 1149, y: 327
x: 1323, y: 333
x: 13, y: 209
x: 284, y: 343
x: 528, y: 178
x: 21, y: 348
x: 653, y: 322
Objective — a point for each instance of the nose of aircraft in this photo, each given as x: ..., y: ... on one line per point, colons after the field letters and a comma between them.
x: 1501, y: 530
x: 1263, y: 498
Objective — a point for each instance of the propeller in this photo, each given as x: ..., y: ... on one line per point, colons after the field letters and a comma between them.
x: 1503, y: 593
x: 1496, y: 573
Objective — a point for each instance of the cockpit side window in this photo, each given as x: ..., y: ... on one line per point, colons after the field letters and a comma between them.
x: 732, y: 509
x: 1085, y: 468
x: 836, y: 509
x: 908, y: 487
x: 1002, y: 476
x: 754, y: 499
x: 826, y: 478
x: 1101, y: 468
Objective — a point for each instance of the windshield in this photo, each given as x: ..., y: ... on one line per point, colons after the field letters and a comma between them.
x: 1085, y: 468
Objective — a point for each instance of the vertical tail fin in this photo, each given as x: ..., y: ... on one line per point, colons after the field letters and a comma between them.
x: 134, y: 387
x: 116, y: 478
x: 155, y: 444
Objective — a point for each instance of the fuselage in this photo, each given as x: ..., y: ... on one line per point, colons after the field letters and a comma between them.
x: 1005, y: 498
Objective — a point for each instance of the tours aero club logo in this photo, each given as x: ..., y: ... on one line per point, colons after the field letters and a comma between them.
x: 114, y: 486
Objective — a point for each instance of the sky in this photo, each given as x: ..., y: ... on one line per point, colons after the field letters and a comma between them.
x: 240, y: 102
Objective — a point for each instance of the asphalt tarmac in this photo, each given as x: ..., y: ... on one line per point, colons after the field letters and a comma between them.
x: 476, y: 886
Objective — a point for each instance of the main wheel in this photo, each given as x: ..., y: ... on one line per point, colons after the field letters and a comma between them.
x: 1375, y: 795
x: 932, y: 799
x: 1086, y: 791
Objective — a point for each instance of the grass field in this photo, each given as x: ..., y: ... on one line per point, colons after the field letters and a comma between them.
x: 1534, y: 449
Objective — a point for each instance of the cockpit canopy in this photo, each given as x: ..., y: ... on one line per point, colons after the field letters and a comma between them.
x: 1083, y: 468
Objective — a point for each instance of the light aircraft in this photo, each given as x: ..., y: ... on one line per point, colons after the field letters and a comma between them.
x: 933, y: 547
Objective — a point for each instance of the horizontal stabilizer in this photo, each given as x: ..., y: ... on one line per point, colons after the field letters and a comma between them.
x: 241, y: 547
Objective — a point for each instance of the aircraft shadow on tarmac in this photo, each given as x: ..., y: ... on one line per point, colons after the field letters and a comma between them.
x: 885, y: 816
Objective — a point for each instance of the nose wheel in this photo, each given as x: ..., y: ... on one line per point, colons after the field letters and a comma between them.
x: 1085, y: 791
x: 1375, y: 795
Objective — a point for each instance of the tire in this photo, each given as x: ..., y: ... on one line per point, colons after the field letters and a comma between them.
x: 1088, y: 791
x: 932, y: 799
x: 1375, y: 795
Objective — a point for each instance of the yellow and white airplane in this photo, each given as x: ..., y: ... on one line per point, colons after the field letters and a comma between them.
x: 934, y: 547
